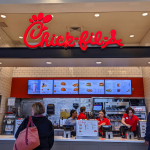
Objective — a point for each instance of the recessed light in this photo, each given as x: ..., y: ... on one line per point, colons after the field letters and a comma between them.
x: 48, y: 63
x: 131, y: 35
x: 20, y: 37
x: 0, y: 63
x: 148, y: 62
x: 96, y: 15
x: 93, y: 36
x: 98, y: 62
x: 3, y: 16
x: 52, y: 15
x: 144, y: 14
x: 56, y: 36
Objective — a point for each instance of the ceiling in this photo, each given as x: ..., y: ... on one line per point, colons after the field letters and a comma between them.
x: 76, y: 62
x: 125, y: 24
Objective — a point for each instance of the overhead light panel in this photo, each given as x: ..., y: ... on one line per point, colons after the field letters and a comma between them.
x: 3, y: 16
x: 148, y: 62
x: 0, y: 63
x: 49, y: 63
x: 131, y: 35
x: 20, y: 37
x: 144, y: 14
x: 96, y: 15
x: 98, y: 62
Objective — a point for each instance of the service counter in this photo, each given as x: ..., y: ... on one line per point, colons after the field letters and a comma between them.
x: 117, y: 143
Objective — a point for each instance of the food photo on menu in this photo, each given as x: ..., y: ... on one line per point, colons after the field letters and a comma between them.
x: 66, y: 87
x: 91, y: 86
x: 118, y: 87
x: 40, y: 86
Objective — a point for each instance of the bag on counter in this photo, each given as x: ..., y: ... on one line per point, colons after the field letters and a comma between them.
x: 28, y: 139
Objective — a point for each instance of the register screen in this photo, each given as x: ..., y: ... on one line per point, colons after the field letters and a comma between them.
x: 97, y: 107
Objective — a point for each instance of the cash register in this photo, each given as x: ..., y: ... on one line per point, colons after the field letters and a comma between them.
x: 126, y: 132
x: 67, y: 130
x: 108, y: 130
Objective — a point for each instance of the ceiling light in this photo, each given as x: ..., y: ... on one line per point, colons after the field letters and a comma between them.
x: 56, y: 36
x: 144, y: 14
x: 148, y: 62
x: 52, y: 15
x: 20, y: 37
x: 3, y: 16
x: 96, y: 15
x: 0, y: 63
x: 131, y: 35
x: 93, y: 36
x: 98, y: 62
x: 48, y: 63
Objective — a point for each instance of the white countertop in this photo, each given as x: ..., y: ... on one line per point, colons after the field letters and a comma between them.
x: 61, y: 139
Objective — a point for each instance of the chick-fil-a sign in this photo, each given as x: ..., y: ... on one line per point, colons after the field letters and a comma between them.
x: 68, y: 41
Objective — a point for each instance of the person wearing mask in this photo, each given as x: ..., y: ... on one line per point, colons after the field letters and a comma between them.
x: 147, y: 134
x: 102, y: 120
x: 129, y: 119
x: 82, y: 113
x: 72, y: 120
x: 44, y: 127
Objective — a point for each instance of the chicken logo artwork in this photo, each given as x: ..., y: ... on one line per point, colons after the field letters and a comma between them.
x: 68, y: 41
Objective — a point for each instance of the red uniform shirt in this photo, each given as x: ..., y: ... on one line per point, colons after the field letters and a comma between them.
x: 133, y: 121
x: 81, y: 116
x: 105, y: 120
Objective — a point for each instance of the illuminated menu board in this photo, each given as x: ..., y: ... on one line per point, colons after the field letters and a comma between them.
x: 40, y: 86
x: 118, y: 87
x: 66, y: 87
x: 91, y: 86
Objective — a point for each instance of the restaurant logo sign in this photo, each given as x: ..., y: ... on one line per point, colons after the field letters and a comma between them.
x: 68, y: 41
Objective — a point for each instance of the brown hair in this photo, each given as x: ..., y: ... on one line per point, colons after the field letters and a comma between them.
x: 104, y: 112
x: 82, y: 109
x: 38, y: 108
x: 128, y: 109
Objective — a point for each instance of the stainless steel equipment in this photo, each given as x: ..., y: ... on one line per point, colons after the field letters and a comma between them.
x: 8, y: 124
x: 140, y: 112
x: 114, y: 112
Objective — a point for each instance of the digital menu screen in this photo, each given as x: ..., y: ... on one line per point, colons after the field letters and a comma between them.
x: 118, y: 87
x: 66, y: 87
x: 91, y: 86
x: 40, y: 86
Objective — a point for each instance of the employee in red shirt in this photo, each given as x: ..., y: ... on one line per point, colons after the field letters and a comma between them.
x: 129, y: 119
x: 82, y: 113
x: 102, y: 120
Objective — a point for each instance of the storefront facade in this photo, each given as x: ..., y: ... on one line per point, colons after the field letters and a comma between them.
x: 22, y: 61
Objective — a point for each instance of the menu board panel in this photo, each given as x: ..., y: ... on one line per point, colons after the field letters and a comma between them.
x: 142, y: 128
x: 40, y: 86
x: 86, y: 128
x: 118, y: 87
x: 66, y: 87
x: 91, y: 86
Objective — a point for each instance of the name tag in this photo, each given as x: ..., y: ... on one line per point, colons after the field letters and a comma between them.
x: 126, y: 117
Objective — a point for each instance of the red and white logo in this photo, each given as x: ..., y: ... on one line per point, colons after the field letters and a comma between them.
x: 68, y: 41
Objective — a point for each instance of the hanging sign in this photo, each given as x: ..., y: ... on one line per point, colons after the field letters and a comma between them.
x: 68, y: 41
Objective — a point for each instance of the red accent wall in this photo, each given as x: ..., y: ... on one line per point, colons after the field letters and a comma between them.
x: 20, y: 89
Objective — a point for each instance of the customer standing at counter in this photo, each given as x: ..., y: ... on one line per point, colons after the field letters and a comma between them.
x: 82, y: 113
x: 44, y: 127
x: 129, y: 119
x: 102, y: 120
